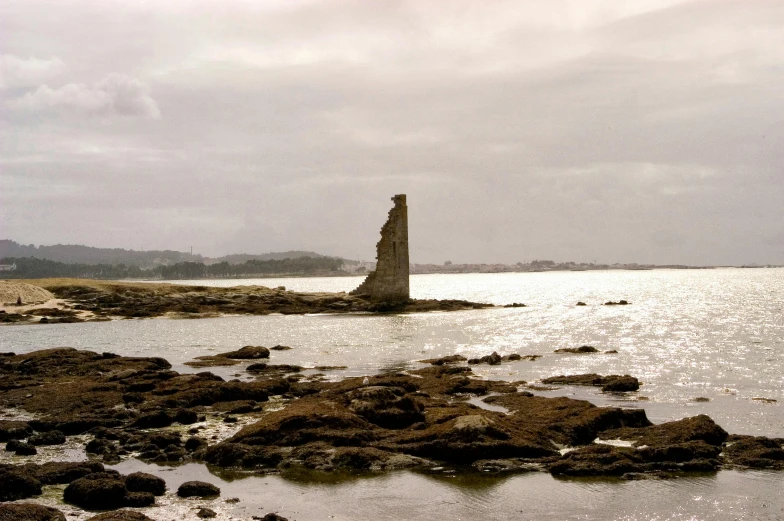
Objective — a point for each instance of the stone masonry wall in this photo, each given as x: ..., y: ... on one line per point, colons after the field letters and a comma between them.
x: 389, y: 281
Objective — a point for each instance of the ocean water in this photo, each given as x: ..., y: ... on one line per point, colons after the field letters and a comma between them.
x: 715, y: 334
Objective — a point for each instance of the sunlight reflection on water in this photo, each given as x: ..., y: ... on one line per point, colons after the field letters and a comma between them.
x: 712, y: 334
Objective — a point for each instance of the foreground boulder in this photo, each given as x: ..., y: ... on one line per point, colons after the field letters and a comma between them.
x: 29, y: 512
x: 96, y: 492
x: 143, y: 482
x: 54, y: 437
x: 14, y: 430
x: 198, y: 489
x: 57, y: 472
x: 121, y: 515
x: 105, y: 491
x: 16, y: 484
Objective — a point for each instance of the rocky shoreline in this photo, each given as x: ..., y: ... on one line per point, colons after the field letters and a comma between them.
x: 78, y: 300
x: 116, y: 408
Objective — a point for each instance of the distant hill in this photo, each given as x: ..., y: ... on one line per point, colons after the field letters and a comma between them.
x: 240, y: 258
x: 79, y: 254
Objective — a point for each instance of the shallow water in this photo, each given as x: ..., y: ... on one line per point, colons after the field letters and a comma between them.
x: 715, y: 334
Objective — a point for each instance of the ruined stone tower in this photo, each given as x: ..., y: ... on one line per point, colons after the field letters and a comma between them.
x: 389, y: 281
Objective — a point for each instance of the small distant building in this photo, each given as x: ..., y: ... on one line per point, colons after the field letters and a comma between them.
x: 8, y: 267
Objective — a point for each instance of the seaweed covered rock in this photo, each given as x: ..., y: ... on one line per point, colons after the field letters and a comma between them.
x: 98, y: 491
x: 21, y: 448
x: 53, y: 437
x: 14, y: 430
x: 198, y: 489
x: 61, y: 472
x: 248, y: 353
x: 610, y: 383
x: 121, y: 515
x: 29, y: 512
x: 578, y: 350
x: 491, y: 359
x: 755, y: 452
x: 17, y: 484
x: 695, y: 428
x: 143, y: 482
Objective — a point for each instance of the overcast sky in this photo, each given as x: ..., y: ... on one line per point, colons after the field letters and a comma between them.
x: 649, y: 131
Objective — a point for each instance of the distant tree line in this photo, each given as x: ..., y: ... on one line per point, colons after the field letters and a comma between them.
x: 79, y: 254
x: 34, y: 268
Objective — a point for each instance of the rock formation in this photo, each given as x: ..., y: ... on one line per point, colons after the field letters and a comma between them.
x: 389, y: 281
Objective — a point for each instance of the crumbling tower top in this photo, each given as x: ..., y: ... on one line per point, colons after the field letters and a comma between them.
x: 389, y: 281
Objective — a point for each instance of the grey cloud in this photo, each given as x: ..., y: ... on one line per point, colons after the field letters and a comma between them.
x: 26, y: 72
x: 116, y: 94
x: 640, y: 131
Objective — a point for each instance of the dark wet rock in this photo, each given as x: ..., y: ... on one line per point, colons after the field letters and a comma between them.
x: 280, y: 348
x: 515, y: 305
x: 610, y: 383
x: 621, y: 384
x: 499, y: 466
x: 451, y: 359
x: 197, y: 489
x: 121, y: 515
x: 619, y: 303
x: 417, y: 418
x: 578, y: 350
x: 193, y: 444
x: 21, y: 448
x: 273, y: 368
x: 59, y: 472
x: 29, y: 512
x: 185, y: 417
x: 387, y: 407
x: 100, y: 491
x: 581, y: 303
x: 17, y: 484
x: 248, y: 353
x: 696, y: 428
x: 143, y: 482
x: 100, y: 447
x: 153, y: 420
x: 47, y: 438
x: 755, y: 452
x: 14, y: 430
x: 492, y: 359
x: 139, y: 499
x: 212, y: 361
x: 599, y: 460
x: 206, y: 513
x: 680, y: 452
x: 271, y: 517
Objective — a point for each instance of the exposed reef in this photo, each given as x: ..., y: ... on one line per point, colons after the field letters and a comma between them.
x: 123, y: 407
x: 80, y: 300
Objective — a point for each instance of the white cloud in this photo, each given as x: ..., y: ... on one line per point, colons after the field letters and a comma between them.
x: 21, y: 72
x: 116, y: 94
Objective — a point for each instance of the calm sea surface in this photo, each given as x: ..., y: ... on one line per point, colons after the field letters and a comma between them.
x: 716, y: 334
